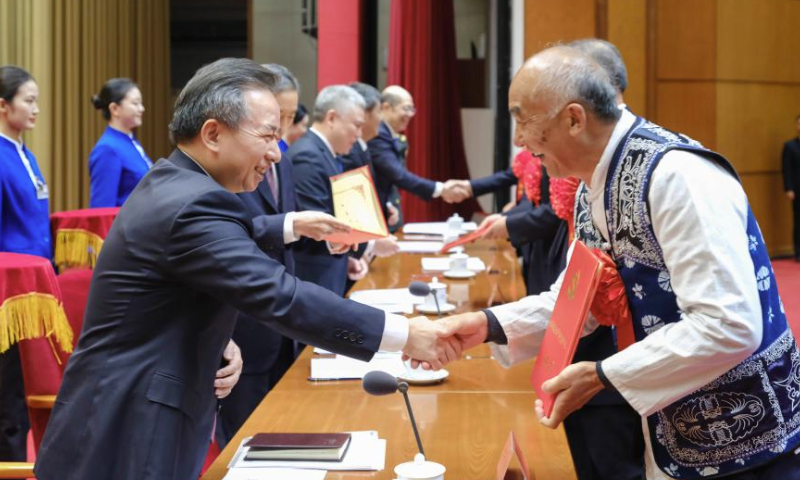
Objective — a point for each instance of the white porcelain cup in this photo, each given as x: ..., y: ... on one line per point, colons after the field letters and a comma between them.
x: 420, y: 469
x: 440, y: 291
x: 455, y: 222
x: 458, y: 262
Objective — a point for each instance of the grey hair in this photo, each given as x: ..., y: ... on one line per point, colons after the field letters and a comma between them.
x: 339, y: 98
x: 287, y: 82
x: 372, y: 97
x: 567, y: 75
x: 607, y: 55
x: 216, y: 91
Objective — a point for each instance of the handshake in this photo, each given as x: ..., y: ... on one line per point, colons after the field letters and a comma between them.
x: 434, y: 344
x: 456, y: 191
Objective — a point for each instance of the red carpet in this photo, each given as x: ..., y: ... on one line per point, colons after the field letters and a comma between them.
x: 787, y: 272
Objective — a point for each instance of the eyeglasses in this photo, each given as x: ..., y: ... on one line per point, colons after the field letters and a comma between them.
x: 409, y: 109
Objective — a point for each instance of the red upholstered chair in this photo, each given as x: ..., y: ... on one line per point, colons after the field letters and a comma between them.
x: 41, y: 370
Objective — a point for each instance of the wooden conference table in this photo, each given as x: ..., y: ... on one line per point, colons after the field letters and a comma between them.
x: 464, y: 422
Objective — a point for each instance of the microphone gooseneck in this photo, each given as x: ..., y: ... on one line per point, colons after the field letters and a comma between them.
x: 422, y: 289
x: 382, y: 383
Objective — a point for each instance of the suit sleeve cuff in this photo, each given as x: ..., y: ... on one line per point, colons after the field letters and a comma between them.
x: 495, y: 330
x: 288, y: 229
x: 395, y: 333
x: 602, y: 376
x: 438, y: 189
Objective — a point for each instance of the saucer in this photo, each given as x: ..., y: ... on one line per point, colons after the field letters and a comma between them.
x: 446, y: 308
x: 423, y: 377
x: 459, y: 274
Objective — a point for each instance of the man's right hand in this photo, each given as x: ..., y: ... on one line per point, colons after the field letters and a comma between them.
x: 317, y: 225
x: 394, y: 214
x: 790, y: 194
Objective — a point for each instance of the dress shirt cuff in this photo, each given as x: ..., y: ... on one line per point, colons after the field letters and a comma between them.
x: 369, y: 252
x: 438, y: 189
x: 288, y: 229
x: 495, y: 332
x: 602, y: 376
x: 395, y: 333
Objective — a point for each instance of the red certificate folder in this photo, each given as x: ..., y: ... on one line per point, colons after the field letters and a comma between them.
x: 356, y: 204
x: 569, y: 316
x: 471, y: 237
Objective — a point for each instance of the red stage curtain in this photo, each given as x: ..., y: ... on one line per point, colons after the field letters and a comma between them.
x: 422, y: 59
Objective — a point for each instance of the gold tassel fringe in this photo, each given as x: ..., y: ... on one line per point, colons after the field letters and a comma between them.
x: 76, y: 248
x: 34, y: 315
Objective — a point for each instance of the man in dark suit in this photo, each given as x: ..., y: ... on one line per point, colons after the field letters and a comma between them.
x: 388, y: 150
x: 337, y: 119
x: 269, y: 354
x: 791, y: 181
x: 137, y: 402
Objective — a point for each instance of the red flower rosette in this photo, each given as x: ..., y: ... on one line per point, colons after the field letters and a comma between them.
x: 528, y: 169
x: 562, y: 199
x: 610, y: 304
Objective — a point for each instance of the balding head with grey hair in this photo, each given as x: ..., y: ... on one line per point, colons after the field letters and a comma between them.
x: 564, y: 74
x: 565, y: 110
x: 339, y: 98
x: 607, y: 56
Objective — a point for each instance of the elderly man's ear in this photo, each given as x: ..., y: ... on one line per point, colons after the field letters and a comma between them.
x: 209, y: 134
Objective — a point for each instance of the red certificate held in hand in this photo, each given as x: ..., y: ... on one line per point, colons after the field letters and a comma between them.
x: 569, y: 316
x: 356, y: 204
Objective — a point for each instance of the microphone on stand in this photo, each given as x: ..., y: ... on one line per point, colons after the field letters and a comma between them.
x: 422, y: 289
x: 382, y: 383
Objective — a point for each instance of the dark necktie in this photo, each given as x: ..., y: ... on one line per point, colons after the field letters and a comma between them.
x: 273, y: 184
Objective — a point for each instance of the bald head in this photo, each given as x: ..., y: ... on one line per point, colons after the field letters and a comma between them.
x: 560, y: 75
x: 395, y: 95
x: 397, y: 107
x: 565, y: 110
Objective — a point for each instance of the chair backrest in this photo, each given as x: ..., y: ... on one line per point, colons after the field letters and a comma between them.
x: 41, y: 370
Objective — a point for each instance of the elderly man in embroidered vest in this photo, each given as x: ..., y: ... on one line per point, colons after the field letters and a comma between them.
x: 715, y: 369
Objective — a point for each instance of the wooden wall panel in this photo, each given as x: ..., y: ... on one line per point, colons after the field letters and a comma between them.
x: 627, y: 30
x: 686, y: 42
x: 550, y: 21
x: 772, y: 210
x: 753, y: 121
x: 690, y: 108
x: 758, y: 40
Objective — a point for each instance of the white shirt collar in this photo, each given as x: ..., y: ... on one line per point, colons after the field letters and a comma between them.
x: 17, y: 143
x: 391, y: 130
x: 363, y: 144
x: 624, y: 124
x: 324, y: 140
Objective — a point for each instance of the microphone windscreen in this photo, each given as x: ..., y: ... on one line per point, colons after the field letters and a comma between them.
x: 419, y: 289
x: 379, y: 383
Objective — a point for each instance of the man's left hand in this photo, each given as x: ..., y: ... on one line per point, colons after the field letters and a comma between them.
x: 228, y: 375
x: 575, y: 386
x: 357, y: 268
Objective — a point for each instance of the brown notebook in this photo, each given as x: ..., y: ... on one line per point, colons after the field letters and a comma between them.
x: 298, y: 446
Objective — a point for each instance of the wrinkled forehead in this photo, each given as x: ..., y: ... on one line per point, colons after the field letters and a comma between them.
x: 523, y: 94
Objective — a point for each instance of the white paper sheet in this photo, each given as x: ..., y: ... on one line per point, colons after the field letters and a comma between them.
x: 275, y: 474
x: 420, y: 247
x: 436, y: 228
x: 366, y: 452
x: 385, y: 296
x: 346, y: 368
x: 440, y: 264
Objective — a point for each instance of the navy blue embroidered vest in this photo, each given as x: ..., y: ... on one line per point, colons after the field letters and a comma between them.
x: 749, y: 415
